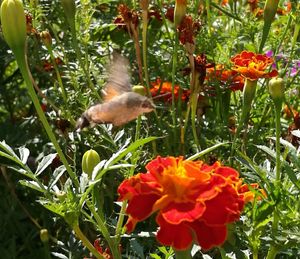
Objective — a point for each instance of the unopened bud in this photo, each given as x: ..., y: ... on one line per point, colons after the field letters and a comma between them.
x: 139, y: 89
x: 44, y: 236
x: 13, y: 24
x: 89, y: 160
x: 179, y: 11
x: 46, y: 38
x: 276, y: 88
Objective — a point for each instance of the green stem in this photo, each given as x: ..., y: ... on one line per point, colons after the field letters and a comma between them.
x: 86, y: 242
x: 86, y: 72
x: 103, y: 229
x: 144, y: 42
x: 63, y: 91
x: 194, y: 101
x: 22, y: 63
x: 174, y: 65
x: 185, y: 254
x: 217, y: 6
x: 248, y: 96
x: 278, y: 104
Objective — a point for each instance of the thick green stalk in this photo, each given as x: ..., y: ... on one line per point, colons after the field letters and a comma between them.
x: 104, y: 231
x: 184, y: 254
x: 278, y: 104
x: 248, y: 96
x: 194, y: 102
x: 86, y: 242
x: 144, y: 42
x: 269, y: 14
x: 22, y: 63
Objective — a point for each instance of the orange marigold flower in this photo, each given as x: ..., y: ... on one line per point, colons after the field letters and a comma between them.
x: 227, y: 78
x: 164, y: 90
x: 252, y: 66
x: 194, y: 201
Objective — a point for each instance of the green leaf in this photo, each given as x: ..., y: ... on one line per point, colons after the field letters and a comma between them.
x: 46, y: 161
x: 58, y: 172
x: 24, y: 154
x: 32, y: 184
x: 205, y: 151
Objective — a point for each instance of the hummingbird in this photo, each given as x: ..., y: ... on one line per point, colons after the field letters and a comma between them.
x: 120, y: 104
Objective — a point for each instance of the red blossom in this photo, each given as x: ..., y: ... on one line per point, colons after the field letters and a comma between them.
x: 127, y: 18
x: 227, y: 78
x: 186, y: 195
x: 187, y: 29
x: 253, y: 66
x: 163, y: 90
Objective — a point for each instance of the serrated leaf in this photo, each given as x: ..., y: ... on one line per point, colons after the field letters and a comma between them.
x: 24, y: 154
x: 46, y: 161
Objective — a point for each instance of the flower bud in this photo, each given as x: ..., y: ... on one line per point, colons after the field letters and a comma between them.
x: 44, y: 236
x: 70, y: 11
x: 46, y: 38
x: 13, y: 24
x: 276, y: 88
x: 139, y: 89
x: 89, y: 160
x: 180, y: 11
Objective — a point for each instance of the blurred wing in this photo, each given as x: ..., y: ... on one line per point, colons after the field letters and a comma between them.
x: 118, y: 80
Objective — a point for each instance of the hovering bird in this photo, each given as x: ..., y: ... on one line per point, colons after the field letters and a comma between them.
x: 120, y: 104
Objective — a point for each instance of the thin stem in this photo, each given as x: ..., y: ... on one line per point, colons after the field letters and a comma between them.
x: 62, y: 88
x: 174, y: 65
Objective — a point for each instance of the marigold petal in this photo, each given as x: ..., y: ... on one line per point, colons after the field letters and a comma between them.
x: 208, y: 236
x: 224, y: 208
x: 178, y: 236
x: 176, y: 213
x: 130, y: 224
x: 140, y: 207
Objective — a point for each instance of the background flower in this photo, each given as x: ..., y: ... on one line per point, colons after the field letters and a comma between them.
x: 253, y: 66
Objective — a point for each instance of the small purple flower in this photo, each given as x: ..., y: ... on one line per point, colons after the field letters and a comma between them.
x: 293, y: 72
x: 270, y: 53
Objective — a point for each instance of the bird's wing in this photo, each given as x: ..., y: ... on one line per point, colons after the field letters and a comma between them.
x: 118, y: 80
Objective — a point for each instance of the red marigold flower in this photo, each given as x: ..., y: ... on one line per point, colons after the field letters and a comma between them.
x: 164, y: 90
x: 252, y: 66
x: 229, y: 78
x: 186, y: 196
x: 126, y: 18
x: 187, y: 29
x: 253, y: 5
